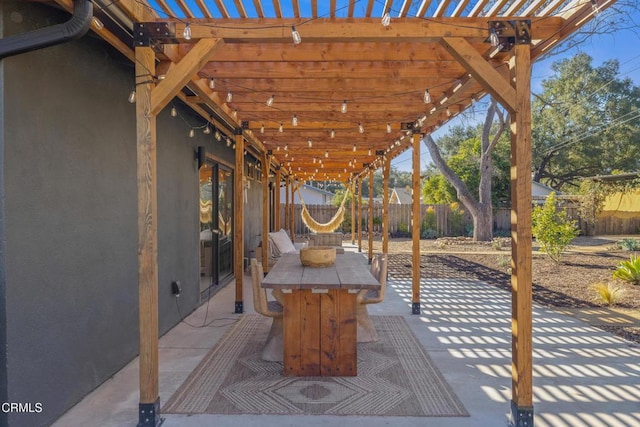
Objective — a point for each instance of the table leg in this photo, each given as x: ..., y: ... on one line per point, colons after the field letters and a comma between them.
x: 338, y: 356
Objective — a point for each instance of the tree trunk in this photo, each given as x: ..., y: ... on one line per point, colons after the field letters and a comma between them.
x: 482, y: 210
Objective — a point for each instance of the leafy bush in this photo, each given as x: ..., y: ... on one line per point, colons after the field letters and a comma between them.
x: 629, y: 271
x: 552, y: 229
x: 607, y: 293
x: 429, y: 220
x: 629, y: 245
x: 456, y: 217
x: 429, y: 234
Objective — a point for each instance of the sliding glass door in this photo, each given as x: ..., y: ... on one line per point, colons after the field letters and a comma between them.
x: 216, y: 226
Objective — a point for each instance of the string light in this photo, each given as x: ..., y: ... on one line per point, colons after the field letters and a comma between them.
x: 270, y: 100
x: 262, y: 129
x: 369, y: 152
x: 594, y: 6
x: 388, y: 127
x: 217, y: 135
x: 326, y: 153
x: 281, y: 128
x: 174, y: 112
x: 309, y: 143
x: 212, y: 83
x: 360, y: 128
x: 295, y: 35
x: 187, y: 32
x: 229, y: 96
x: 386, y: 19
x: 132, y: 97
x: 448, y: 112
x: 427, y: 96
x: 354, y: 147
x: 493, y: 37
x: 228, y: 142
x: 192, y: 133
x: 235, y: 113
x: 286, y: 147
x: 206, y: 130
x: 333, y: 133
x: 294, y: 120
x: 343, y: 109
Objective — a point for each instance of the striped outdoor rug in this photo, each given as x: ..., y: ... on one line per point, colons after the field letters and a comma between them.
x: 395, y: 378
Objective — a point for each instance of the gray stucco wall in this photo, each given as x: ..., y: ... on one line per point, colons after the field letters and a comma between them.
x: 70, y: 217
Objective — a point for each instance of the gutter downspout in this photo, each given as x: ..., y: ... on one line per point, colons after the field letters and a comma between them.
x: 73, y: 29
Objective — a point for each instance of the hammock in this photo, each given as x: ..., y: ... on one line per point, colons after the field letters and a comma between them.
x: 327, y: 227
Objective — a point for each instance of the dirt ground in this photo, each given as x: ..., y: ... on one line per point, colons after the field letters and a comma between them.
x: 567, y: 285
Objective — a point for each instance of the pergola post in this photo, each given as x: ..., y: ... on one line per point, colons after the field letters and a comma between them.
x: 415, y: 226
x: 286, y: 203
x: 265, y: 210
x: 276, y: 202
x: 370, y: 227
x: 353, y: 212
x: 149, y: 406
x: 386, y: 165
x: 521, y: 247
x: 238, y: 224
x: 359, y: 214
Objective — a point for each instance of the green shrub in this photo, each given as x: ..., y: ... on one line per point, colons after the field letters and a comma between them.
x: 630, y: 245
x: 429, y: 234
x: 552, y: 229
x: 607, y: 293
x: 629, y: 271
x: 429, y: 220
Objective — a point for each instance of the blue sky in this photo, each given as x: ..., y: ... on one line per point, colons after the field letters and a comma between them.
x: 622, y: 45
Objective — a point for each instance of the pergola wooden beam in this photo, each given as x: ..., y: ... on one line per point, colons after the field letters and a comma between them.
x: 179, y: 75
x: 482, y: 71
x: 238, y: 223
x: 365, y: 30
x: 415, y: 225
x: 521, y: 246
x: 147, y: 236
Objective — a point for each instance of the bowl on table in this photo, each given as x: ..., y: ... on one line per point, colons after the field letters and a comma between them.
x: 318, y: 256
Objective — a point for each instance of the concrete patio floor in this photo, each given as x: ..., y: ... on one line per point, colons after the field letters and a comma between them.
x: 583, y: 376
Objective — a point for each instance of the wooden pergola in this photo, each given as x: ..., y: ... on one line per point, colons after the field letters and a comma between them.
x: 328, y: 90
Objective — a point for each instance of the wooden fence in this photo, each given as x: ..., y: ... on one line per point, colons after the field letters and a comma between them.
x: 441, y: 220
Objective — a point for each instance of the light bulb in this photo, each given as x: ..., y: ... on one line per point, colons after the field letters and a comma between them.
x: 262, y: 129
x: 326, y: 154
x: 217, y: 135
x: 228, y: 142
x: 174, y: 112
x: 354, y: 147
x: 493, y: 37
x: 314, y: 160
x: 187, y: 32
x: 294, y: 120
x: 235, y: 113
x: 386, y: 19
x: 132, y: 97
x: 97, y: 23
x: 234, y: 146
x: 281, y: 128
x: 309, y: 143
x: 388, y: 127
x: 343, y: 109
x: 229, y: 96
x: 295, y: 35
x: 212, y: 83
x: 333, y: 133
x: 448, y: 112
x: 270, y: 101
x: 427, y: 96
x: 192, y: 133
x: 360, y: 128
x: 369, y: 152
x: 286, y: 147
x: 206, y: 130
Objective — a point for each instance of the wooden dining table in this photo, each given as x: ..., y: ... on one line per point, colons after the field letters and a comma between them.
x: 319, y: 319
